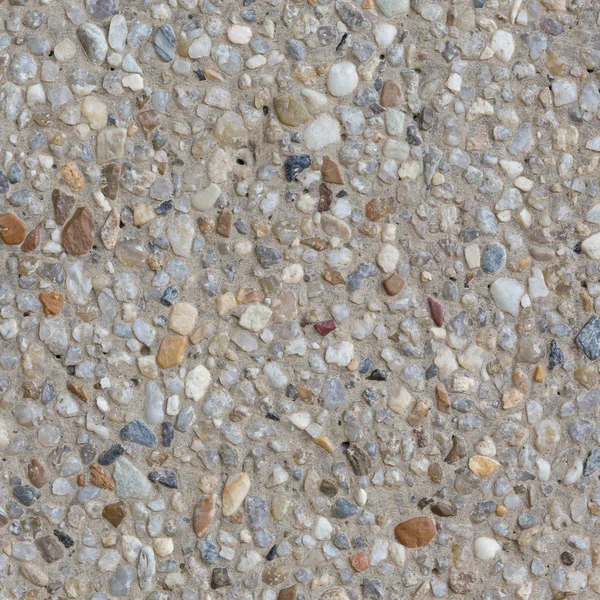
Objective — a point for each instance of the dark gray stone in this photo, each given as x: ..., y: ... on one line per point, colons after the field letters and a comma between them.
x: 164, y: 43
x: 592, y: 462
x: 267, y: 256
x: 493, y: 259
x: 26, y: 494
x: 588, y: 339
x: 557, y: 356
x: 343, y: 508
x: 109, y: 456
x: 139, y: 433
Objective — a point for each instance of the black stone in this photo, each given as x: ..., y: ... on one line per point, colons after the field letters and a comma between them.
x: 64, y: 538
x: 431, y: 372
x: 166, y: 478
x: 296, y: 164
x: 557, y: 356
x: 378, y: 375
x: 271, y: 553
x: 109, y: 456
x: 139, y: 433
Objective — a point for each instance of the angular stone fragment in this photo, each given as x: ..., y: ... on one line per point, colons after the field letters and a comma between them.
x: 52, y: 302
x: 129, y: 482
x: 588, y: 339
x: 33, y: 238
x: 331, y: 172
x: 139, y: 433
x: 50, y: 548
x: 115, y: 513
x: 109, y: 234
x: 110, y: 144
x: 100, y: 478
x: 78, y: 233
x: 94, y: 42
x: 416, y: 532
x: 63, y: 203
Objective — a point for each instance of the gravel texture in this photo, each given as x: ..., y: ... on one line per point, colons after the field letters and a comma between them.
x: 298, y: 299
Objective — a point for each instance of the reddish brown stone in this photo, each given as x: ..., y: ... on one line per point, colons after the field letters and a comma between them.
x: 359, y: 562
x: 63, y: 203
x: 204, y: 513
x: 325, y: 327
x: 33, y: 238
x: 416, y: 533
x: 391, y: 94
x: 12, y: 229
x: 101, y: 479
x: 224, y: 223
x: 393, y: 285
x: 437, y: 311
x: 78, y: 233
x: 38, y: 473
x: 331, y: 172
x: 288, y: 593
x: 115, y: 513
x: 52, y: 302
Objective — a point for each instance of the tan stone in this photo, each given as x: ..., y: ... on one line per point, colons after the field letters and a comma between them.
x: 512, y: 398
x: 73, y: 176
x: 290, y: 111
x: 415, y: 533
x: 483, y: 465
x: 331, y: 172
x: 172, y: 351
x: 234, y: 493
x: 109, y: 234
x: 182, y: 318
x: 52, y: 302
x: 101, y: 479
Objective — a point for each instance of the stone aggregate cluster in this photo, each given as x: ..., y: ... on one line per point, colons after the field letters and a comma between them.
x: 299, y: 299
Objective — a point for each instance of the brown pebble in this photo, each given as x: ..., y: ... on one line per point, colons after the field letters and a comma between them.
x: 378, y: 208
x: 115, y: 513
x: 442, y: 399
x: 333, y: 277
x: 81, y: 480
x: 359, y: 562
x: 391, y: 94
x: 76, y: 388
x: 393, y: 285
x: 33, y: 238
x: 63, y: 203
x: 288, y: 593
x: 224, y: 223
x: 331, y: 172
x: 203, y: 515
x: 100, y: 478
x: 437, y: 311
x: 110, y: 179
x: 540, y: 374
x: 52, y: 302
x: 415, y: 533
x: 12, y: 229
x: 172, y: 351
x: 78, y: 233
x: 38, y: 473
